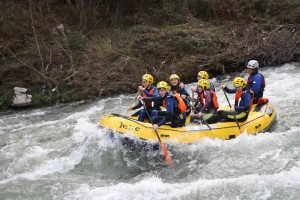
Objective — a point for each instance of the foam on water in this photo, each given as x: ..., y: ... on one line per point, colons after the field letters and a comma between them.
x: 63, y: 148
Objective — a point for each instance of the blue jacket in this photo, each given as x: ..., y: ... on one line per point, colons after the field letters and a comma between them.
x: 172, y: 107
x: 256, y: 84
x: 244, y: 104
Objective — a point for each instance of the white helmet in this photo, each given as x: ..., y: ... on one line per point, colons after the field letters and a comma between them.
x: 253, y: 64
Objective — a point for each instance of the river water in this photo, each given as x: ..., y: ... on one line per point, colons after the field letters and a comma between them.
x: 60, y: 152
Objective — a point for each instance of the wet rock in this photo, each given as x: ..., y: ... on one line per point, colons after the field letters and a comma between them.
x: 21, y: 98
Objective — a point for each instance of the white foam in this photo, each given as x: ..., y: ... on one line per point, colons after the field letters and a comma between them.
x: 262, y: 187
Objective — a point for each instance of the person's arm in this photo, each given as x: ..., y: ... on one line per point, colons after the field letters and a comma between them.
x: 228, y: 90
x: 184, y: 92
x: 138, y: 105
x: 207, y: 98
x: 246, y: 98
x: 256, y: 83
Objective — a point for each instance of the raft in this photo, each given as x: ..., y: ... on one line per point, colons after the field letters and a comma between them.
x: 260, y: 119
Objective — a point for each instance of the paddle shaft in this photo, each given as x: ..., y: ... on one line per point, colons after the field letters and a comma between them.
x: 133, y: 100
x: 233, y: 113
x: 163, y: 148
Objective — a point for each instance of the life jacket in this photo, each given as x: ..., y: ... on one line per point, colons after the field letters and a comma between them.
x: 181, y: 105
x: 180, y: 100
x: 213, y: 98
x: 249, y: 82
x: 238, y: 95
x: 149, y: 103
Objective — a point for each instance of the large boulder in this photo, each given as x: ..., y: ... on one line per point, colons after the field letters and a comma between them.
x: 21, y: 98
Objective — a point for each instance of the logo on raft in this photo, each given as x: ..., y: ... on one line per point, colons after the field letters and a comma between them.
x: 269, y: 111
x: 129, y: 127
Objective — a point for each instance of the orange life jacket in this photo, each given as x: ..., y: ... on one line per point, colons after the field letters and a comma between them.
x: 181, y: 105
x: 213, y: 98
x: 238, y: 95
x: 148, y: 103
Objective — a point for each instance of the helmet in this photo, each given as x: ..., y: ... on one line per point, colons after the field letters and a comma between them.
x: 174, y: 76
x: 204, y: 84
x: 239, y: 81
x: 253, y: 64
x: 163, y: 84
x: 149, y: 78
x: 203, y: 74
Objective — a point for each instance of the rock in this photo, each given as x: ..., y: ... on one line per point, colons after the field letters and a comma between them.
x: 21, y: 99
x: 58, y: 30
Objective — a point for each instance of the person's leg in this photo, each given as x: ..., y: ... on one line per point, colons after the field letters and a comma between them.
x: 238, y: 116
x: 142, y: 115
x: 156, y: 119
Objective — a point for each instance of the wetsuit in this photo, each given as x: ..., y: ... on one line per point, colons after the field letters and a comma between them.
x: 256, y: 83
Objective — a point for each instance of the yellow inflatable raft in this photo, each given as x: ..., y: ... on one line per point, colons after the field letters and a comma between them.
x: 260, y: 119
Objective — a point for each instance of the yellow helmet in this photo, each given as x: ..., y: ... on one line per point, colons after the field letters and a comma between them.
x: 149, y: 78
x: 174, y: 76
x: 203, y: 74
x: 204, y: 84
x: 239, y: 81
x: 163, y: 84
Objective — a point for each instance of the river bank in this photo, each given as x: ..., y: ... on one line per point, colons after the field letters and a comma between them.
x: 60, y: 58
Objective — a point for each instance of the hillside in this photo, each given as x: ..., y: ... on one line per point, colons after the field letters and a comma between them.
x: 73, y: 50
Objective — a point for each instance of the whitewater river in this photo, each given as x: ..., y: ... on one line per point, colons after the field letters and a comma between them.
x: 60, y: 153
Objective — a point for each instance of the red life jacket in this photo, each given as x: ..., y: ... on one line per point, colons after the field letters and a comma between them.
x: 213, y: 98
x: 238, y: 95
x: 148, y: 103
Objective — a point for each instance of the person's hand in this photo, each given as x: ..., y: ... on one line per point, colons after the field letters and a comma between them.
x: 129, y: 109
x: 140, y: 88
x: 222, y: 86
x: 183, y: 96
x: 139, y: 98
x: 200, y: 114
x: 155, y: 127
x: 181, y: 85
x: 232, y: 109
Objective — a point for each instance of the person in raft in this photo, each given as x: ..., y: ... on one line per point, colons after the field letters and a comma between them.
x: 256, y: 81
x: 178, y: 88
x: 147, y: 90
x: 243, y: 100
x: 208, y: 104
x: 203, y: 75
x: 175, y: 107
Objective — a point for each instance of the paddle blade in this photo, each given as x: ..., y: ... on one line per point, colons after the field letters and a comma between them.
x: 169, y: 161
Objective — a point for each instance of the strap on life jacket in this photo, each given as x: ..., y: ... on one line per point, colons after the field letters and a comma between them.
x: 148, y: 103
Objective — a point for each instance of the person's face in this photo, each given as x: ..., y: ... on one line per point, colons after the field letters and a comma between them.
x: 162, y: 92
x: 199, y: 78
x: 239, y: 88
x: 250, y: 71
x: 145, y: 83
x: 199, y: 88
x: 174, y: 81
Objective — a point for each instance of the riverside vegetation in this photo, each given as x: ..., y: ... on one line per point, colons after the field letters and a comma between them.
x: 75, y: 50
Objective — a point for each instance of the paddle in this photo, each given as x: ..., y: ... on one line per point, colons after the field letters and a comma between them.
x: 233, y: 114
x: 163, y: 148
x: 133, y: 100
